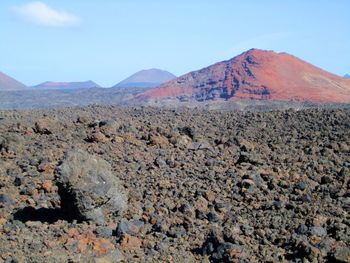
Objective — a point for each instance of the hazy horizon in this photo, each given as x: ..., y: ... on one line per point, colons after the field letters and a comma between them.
x: 107, y: 41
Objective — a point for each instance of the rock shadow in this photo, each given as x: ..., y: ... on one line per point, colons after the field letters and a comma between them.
x: 44, y: 215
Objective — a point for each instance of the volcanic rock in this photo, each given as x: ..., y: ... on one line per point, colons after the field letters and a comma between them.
x: 130, y: 242
x: 342, y: 254
x: 44, y: 126
x: 88, y: 187
x: 267, y: 187
x: 5, y: 200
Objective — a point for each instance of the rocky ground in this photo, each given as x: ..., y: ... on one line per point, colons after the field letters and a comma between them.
x: 53, y: 99
x: 104, y: 184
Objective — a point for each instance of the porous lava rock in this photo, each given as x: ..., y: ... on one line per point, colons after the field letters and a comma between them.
x: 88, y: 188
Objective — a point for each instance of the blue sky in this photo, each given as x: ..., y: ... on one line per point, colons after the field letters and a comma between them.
x: 108, y: 40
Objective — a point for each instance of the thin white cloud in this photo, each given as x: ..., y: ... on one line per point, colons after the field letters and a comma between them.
x: 41, y: 14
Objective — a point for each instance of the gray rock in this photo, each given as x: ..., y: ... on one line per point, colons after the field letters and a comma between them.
x: 226, y: 250
x: 162, y: 247
x: 5, y: 200
x: 18, y: 181
x: 279, y: 204
x: 306, y: 198
x: 342, y: 254
x: 213, y: 217
x: 11, y: 260
x: 113, y: 256
x: 103, y: 231
x: 258, y: 180
x: 247, y: 183
x: 160, y: 162
x: 12, y: 143
x: 301, y: 186
x: 189, y: 131
x: 326, y: 180
x: 88, y: 188
x: 200, y: 146
x: 302, y: 229
x: 131, y: 227
x: 177, y: 231
x: 247, y: 230
x: 325, y: 245
x: 187, y: 210
x: 318, y: 231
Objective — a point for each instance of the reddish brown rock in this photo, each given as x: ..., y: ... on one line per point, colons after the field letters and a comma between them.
x: 129, y: 242
x: 2, y: 222
x: 201, y: 204
x: 44, y: 126
x: 28, y: 131
x: 48, y: 186
x: 102, y: 246
x: 159, y: 140
x: 46, y: 167
x: 210, y: 196
x: 118, y: 139
x: 82, y: 242
x: 97, y: 136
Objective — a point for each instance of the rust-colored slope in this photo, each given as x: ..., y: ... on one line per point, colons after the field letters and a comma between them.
x: 257, y: 74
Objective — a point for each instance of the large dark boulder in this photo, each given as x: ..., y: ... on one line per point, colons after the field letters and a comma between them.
x: 88, y: 188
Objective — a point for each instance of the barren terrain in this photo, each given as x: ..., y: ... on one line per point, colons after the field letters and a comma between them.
x: 107, y: 184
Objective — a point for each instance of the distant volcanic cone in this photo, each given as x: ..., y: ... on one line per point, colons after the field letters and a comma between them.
x: 147, y: 78
x: 256, y: 74
x: 8, y: 83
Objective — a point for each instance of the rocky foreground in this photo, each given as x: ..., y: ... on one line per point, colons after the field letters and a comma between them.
x: 103, y: 184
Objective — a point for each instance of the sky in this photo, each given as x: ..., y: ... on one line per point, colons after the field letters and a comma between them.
x: 108, y: 40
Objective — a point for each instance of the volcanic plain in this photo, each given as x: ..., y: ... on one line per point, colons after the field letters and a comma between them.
x: 108, y: 184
